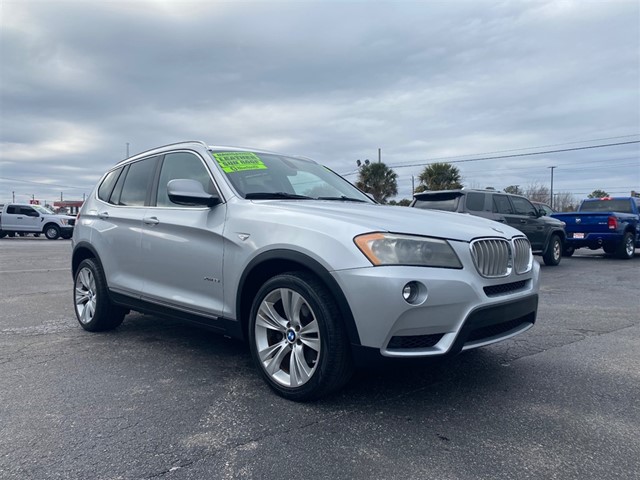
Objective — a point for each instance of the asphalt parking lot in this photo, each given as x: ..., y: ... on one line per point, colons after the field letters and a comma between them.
x: 160, y: 399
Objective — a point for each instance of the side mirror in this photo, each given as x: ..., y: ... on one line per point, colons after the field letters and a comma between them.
x: 190, y: 193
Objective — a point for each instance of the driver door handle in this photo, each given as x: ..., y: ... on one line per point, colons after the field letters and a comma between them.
x: 103, y: 215
x: 151, y: 220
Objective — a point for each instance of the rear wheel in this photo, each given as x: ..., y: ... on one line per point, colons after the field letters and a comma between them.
x: 568, y: 251
x: 609, y: 249
x: 553, y: 254
x: 298, y: 339
x: 93, y: 308
x: 52, y: 232
x: 626, y: 249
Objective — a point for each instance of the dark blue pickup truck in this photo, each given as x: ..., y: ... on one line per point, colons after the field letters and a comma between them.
x: 612, y: 224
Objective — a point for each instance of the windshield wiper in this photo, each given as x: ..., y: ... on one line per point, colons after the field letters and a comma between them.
x: 342, y: 198
x: 275, y: 195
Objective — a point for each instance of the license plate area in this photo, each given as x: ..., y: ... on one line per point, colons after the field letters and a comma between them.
x: 578, y: 235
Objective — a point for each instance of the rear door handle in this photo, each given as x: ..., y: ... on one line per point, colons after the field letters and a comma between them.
x: 523, y: 221
x: 103, y: 215
x: 151, y: 220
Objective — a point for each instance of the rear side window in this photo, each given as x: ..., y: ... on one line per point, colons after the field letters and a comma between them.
x: 13, y: 210
x: 182, y: 165
x: 137, y: 182
x: 106, y: 187
x: 523, y: 206
x: 475, y: 201
x: 501, y: 204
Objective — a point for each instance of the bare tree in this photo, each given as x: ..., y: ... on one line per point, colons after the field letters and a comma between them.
x: 564, y: 202
x: 537, y: 192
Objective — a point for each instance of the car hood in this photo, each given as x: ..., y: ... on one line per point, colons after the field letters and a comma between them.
x: 382, y: 218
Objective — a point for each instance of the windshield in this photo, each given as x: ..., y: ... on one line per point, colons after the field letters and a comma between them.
x: 42, y: 209
x: 267, y: 176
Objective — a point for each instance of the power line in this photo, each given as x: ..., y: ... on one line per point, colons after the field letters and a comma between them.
x: 428, y: 162
x: 539, y: 146
x: 521, y: 154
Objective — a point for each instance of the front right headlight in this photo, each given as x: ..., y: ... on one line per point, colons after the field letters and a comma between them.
x: 397, y: 249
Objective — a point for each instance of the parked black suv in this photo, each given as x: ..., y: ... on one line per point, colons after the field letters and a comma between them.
x: 546, y: 234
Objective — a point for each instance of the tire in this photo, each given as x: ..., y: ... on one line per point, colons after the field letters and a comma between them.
x: 626, y: 249
x: 3, y: 234
x: 296, y: 326
x: 568, y: 251
x: 553, y: 253
x: 52, y: 232
x: 609, y: 249
x: 22, y: 234
x: 66, y: 236
x: 36, y: 235
x: 94, y: 310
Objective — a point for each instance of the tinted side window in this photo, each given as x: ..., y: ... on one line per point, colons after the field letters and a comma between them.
x: 136, y: 184
x: 27, y: 211
x: 182, y: 165
x: 475, y: 201
x: 13, y: 210
x: 523, y: 206
x: 106, y: 187
x: 501, y: 204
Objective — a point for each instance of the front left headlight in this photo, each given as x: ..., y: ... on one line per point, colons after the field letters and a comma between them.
x: 397, y: 249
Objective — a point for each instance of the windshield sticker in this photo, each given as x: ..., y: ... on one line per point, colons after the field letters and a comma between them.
x: 238, y: 161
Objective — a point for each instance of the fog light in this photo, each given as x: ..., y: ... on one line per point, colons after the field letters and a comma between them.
x: 410, y: 292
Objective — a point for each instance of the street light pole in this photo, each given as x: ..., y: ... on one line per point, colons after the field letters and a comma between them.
x: 552, y: 184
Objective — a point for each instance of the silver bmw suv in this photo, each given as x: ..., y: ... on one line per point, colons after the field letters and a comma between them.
x: 283, y: 252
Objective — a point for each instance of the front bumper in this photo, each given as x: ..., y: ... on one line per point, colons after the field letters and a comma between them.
x: 462, y: 310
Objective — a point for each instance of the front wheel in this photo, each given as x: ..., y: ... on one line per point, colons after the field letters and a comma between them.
x: 93, y: 307
x: 52, y: 232
x: 553, y: 254
x: 627, y: 248
x: 298, y: 339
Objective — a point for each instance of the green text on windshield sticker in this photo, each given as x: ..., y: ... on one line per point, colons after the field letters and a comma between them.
x: 238, y: 161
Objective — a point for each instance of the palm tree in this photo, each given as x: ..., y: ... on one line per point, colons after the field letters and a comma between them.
x: 439, y: 176
x: 378, y: 180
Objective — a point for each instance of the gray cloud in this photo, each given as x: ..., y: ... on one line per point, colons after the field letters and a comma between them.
x: 333, y: 81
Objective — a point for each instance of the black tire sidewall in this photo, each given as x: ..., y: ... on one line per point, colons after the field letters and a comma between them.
x: 622, y: 248
x: 329, y: 325
x: 106, y: 316
x: 51, y: 227
x: 549, y: 256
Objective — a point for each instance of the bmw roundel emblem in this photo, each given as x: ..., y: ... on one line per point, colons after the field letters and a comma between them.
x: 291, y: 335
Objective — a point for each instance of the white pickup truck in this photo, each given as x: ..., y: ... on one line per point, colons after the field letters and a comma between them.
x: 22, y: 219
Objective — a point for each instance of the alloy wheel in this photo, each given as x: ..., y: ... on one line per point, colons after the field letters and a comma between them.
x: 287, y: 337
x: 85, y: 295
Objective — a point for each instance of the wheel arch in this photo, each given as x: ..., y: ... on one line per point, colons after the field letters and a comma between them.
x: 50, y: 224
x: 274, y: 262
x: 556, y: 231
x: 81, y: 252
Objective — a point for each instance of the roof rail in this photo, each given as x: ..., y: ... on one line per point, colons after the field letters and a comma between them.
x: 199, y: 142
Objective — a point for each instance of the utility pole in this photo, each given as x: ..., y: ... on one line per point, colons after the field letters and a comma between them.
x: 413, y: 185
x: 552, y: 184
x: 379, y: 155
x: 127, y: 150
x: 61, y: 196
x: 14, y: 197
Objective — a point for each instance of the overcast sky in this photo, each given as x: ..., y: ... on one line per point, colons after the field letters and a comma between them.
x: 333, y: 81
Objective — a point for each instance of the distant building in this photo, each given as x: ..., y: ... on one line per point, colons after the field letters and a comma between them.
x: 68, y: 207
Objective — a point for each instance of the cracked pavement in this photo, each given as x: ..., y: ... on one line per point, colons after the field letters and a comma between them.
x: 157, y: 399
